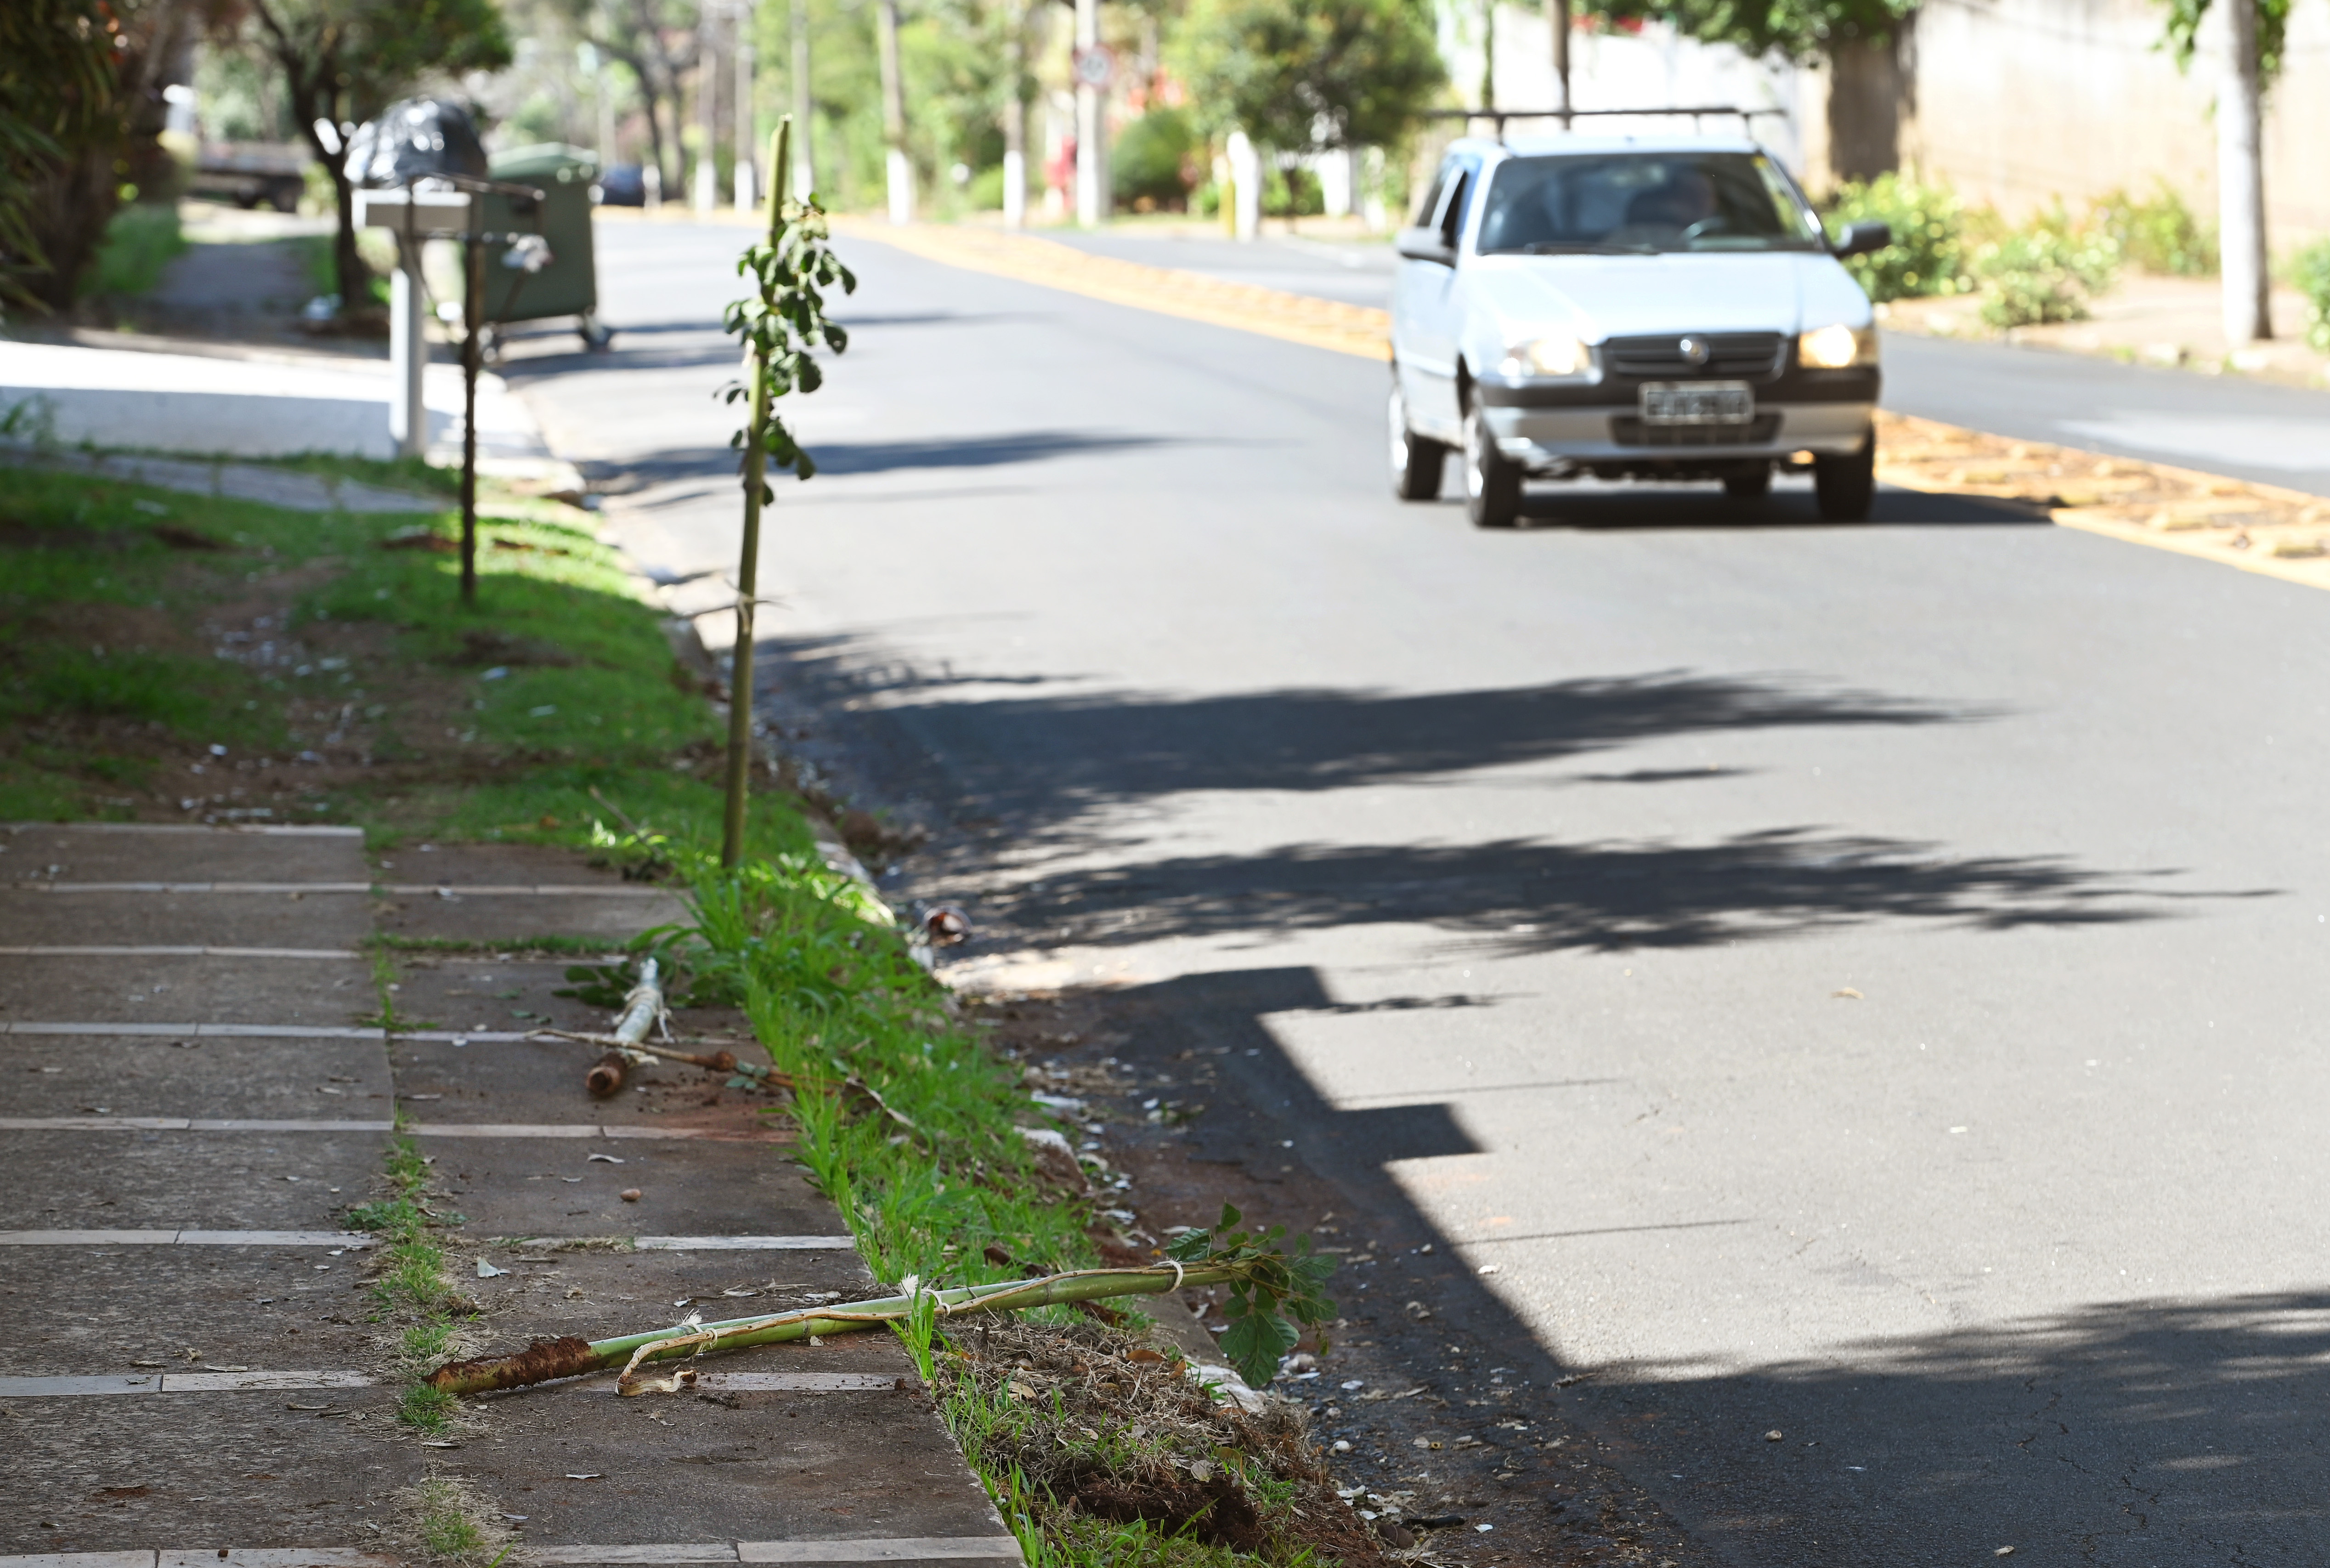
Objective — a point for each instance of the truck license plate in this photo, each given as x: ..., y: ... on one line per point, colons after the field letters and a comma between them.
x: 1698, y: 403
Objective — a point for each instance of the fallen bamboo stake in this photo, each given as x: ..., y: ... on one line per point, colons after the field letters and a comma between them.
x: 552, y: 1358
x: 606, y: 1075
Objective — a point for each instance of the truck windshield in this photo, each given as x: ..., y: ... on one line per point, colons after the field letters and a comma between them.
x: 1644, y: 202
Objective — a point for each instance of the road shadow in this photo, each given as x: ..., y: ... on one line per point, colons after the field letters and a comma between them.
x: 848, y: 457
x: 1653, y: 508
x: 2129, y: 1432
x: 1519, y: 896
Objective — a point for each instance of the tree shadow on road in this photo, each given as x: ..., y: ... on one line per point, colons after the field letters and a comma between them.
x: 1647, y: 507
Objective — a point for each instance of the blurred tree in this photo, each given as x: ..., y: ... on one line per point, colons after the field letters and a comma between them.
x: 656, y: 40
x: 1860, y: 39
x: 344, y: 60
x: 1303, y: 75
x: 80, y: 108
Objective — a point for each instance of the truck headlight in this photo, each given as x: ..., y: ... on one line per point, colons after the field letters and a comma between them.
x: 1547, y: 356
x: 1837, y: 347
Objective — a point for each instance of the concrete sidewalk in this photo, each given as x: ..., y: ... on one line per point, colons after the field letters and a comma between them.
x: 193, y: 1368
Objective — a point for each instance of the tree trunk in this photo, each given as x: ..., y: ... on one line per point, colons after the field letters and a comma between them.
x: 1867, y: 91
x: 2241, y: 180
x: 1557, y: 22
x: 1488, y: 54
x: 804, y: 156
x: 901, y: 170
x: 1015, y: 115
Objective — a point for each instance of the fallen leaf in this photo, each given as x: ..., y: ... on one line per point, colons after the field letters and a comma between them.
x: 593, y: 1476
x: 609, y: 1159
x: 487, y: 1271
x: 1847, y: 992
x: 630, y: 1194
x: 1774, y: 1435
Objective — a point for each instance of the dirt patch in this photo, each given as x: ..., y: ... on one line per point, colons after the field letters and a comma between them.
x: 1100, y: 1422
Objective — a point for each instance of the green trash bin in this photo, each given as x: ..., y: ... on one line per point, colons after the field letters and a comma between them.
x: 569, y: 284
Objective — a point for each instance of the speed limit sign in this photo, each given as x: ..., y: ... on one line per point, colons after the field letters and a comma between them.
x: 1096, y: 66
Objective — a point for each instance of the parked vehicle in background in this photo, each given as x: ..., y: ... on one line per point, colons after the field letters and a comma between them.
x: 623, y: 185
x: 1628, y: 307
x: 248, y: 173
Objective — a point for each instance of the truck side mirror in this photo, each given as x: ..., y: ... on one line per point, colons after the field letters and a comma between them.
x: 1426, y: 245
x: 1860, y: 239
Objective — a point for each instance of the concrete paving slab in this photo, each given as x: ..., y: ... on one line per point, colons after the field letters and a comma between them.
x: 95, y: 1475
x: 767, y: 1466
x: 480, y: 994
x: 221, y: 1181
x: 116, y: 852
x: 269, y: 1080
x: 515, y: 918
x: 263, y: 405
x: 274, y: 919
x: 129, y: 1311
x: 518, y: 1187
x: 142, y: 987
x: 542, y: 1079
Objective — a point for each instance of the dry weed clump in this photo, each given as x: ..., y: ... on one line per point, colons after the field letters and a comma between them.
x: 1090, y: 1420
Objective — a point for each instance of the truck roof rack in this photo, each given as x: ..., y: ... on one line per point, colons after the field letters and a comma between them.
x: 1746, y: 117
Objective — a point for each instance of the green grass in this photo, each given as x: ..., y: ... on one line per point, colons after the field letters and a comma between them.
x: 112, y: 690
x: 142, y: 240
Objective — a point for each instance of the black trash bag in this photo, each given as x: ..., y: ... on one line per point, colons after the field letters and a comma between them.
x: 412, y: 139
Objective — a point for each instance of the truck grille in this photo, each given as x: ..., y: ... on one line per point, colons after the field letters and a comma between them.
x: 1628, y: 431
x: 1733, y: 354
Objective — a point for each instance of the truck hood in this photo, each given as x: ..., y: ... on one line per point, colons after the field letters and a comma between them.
x: 1602, y: 297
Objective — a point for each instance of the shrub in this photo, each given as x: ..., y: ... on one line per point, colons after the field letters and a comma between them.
x: 2309, y: 274
x: 2047, y: 272
x: 1151, y: 158
x: 2159, y: 235
x: 1928, y: 255
x: 140, y: 241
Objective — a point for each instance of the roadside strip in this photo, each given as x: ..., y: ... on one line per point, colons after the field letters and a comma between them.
x: 2259, y: 529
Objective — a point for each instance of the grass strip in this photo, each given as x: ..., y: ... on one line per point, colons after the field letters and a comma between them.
x: 189, y: 658
x: 835, y: 994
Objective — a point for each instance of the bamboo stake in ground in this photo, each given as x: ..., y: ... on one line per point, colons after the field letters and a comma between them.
x: 552, y: 1358
x: 748, y: 561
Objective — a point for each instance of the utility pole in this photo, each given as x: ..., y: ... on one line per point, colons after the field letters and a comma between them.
x: 705, y: 187
x: 746, y: 14
x: 1557, y: 19
x: 2241, y: 180
x: 894, y: 116
x: 1092, y: 117
x: 1014, y: 114
x: 804, y: 175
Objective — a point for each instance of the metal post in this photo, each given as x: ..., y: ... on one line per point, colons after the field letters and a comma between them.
x: 473, y: 313
x: 748, y: 561
x: 408, y: 352
x: 1092, y: 126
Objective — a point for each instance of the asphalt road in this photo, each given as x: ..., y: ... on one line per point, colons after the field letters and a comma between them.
x: 2254, y: 430
x: 1851, y: 983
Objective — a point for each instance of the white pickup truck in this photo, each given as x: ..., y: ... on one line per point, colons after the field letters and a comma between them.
x: 1628, y: 307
